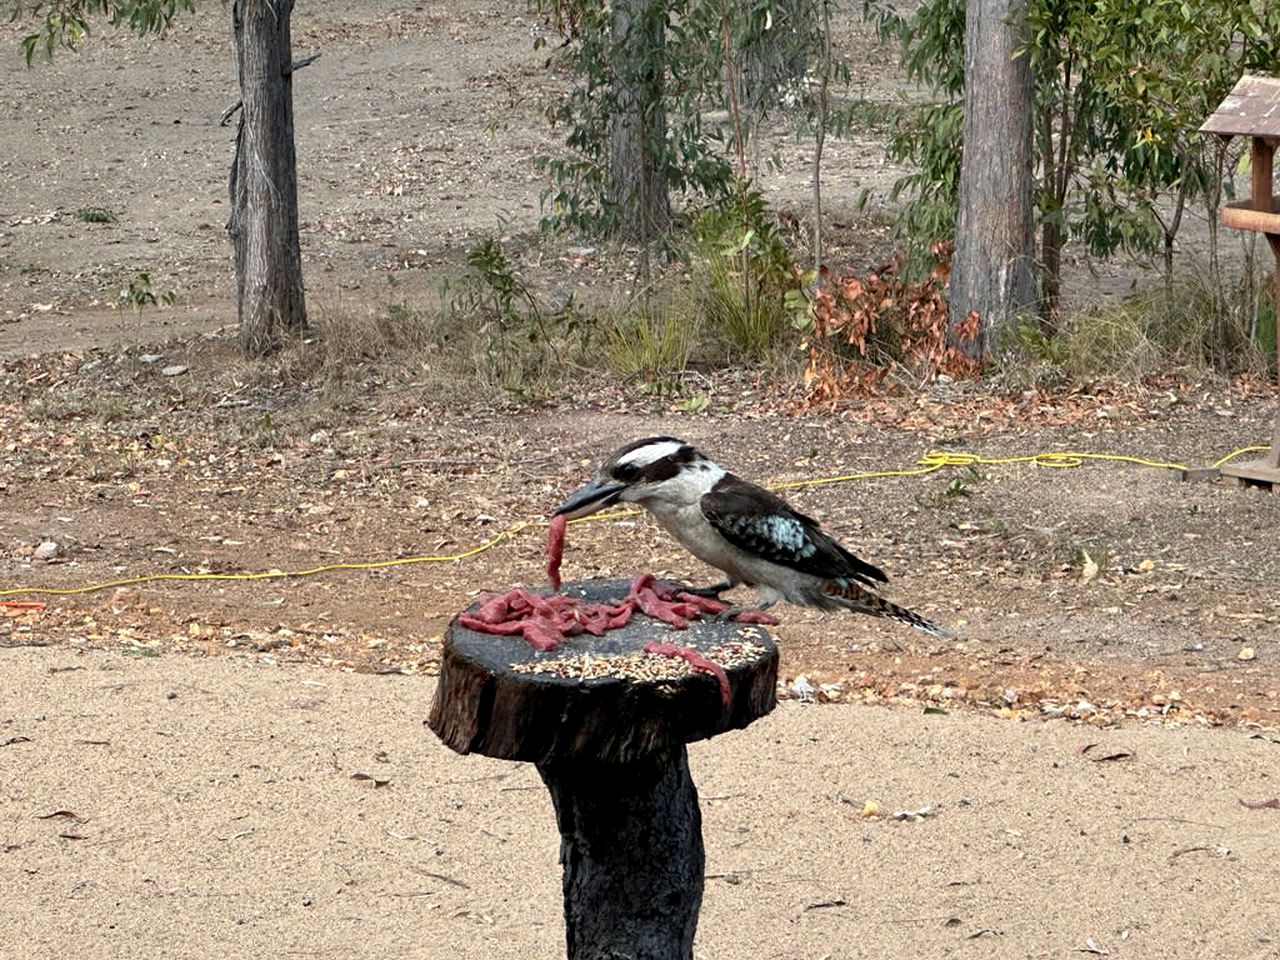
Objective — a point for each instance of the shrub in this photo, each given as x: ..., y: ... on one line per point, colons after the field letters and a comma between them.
x: 743, y: 275
x: 1187, y: 320
x: 520, y: 344
x: 651, y: 346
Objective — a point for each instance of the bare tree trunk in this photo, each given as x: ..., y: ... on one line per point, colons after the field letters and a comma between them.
x: 775, y: 59
x: 820, y: 134
x: 1059, y: 166
x: 1051, y: 281
x: 638, y: 190
x: 992, y: 272
x: 264, y: 194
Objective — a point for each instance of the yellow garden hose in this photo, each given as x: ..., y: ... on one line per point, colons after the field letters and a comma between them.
x: 931, y: 462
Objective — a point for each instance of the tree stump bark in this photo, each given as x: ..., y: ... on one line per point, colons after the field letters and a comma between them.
x: 606, y: 725
x: 631, y: 849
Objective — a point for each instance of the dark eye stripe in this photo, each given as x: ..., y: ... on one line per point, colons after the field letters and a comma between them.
x: 658, y: 470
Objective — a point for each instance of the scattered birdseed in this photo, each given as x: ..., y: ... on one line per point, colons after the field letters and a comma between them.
x: 641, y: 667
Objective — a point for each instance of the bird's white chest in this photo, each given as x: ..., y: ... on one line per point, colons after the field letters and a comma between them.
x: 686, y: 523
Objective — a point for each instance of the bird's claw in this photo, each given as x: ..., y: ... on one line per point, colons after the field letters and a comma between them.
x: 711, y: 592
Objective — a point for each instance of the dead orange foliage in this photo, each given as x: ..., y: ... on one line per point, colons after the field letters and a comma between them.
x: 864, y: 326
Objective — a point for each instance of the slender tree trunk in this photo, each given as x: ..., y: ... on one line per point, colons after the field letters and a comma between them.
x: 264, y: 194
x: 1051, y: 262
x: 638, y: 191
x: 820, y: 134
x: 1059, y: 170
x: 1175, y: 222
x: 992, y: 272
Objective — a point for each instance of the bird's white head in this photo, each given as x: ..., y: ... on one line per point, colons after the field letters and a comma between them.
x: 655, y: 469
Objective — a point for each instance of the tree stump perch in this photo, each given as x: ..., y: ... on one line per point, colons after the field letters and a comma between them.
x: 607, y: 725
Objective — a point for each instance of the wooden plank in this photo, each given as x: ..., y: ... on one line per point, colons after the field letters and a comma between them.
x: 1243, y: 215
x: 1274, y: 240
x: 1196, y: 474
x: 1253, y: 473
x: 1251, y: 109
x: 1272, y: 459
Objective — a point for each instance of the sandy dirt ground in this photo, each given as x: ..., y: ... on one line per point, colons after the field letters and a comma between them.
x: 176, y: 758
x: 166, y: 808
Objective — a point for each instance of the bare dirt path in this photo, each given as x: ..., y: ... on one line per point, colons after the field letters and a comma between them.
x: 153, y: 808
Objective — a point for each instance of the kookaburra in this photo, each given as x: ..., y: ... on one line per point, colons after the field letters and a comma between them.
x: 750, y: 534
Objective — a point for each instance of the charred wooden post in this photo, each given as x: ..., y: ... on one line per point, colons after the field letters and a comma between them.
x: 607, y: 725
x: 631, y: 849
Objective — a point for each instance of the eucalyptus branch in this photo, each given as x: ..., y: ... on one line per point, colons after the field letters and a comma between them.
x: 731, y: 88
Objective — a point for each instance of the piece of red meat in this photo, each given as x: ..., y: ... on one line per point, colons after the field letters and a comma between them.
x: 494, y: 609
x: 703, y: 604
x: 542, y: 634
x: 654, y: 598
x: 555, y: 549
x: 504, y: 628
x: 698, y: 661
x: 756, y: 616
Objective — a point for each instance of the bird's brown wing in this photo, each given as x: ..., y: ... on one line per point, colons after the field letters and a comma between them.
x: 750, y: 517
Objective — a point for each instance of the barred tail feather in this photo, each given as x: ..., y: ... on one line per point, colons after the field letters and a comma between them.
x: 851, y: 596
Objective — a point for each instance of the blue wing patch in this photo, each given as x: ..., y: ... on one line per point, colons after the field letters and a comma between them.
x: 764, y: 524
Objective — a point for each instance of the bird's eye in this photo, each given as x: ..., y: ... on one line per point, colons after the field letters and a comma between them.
x: 625, y: 472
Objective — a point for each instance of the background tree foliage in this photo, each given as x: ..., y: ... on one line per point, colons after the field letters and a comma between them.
x: 1121, y: 89
x: 66, y: 22
x: 705, y: 88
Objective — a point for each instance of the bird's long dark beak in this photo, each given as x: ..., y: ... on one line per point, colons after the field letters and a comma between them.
x: 590, y: 498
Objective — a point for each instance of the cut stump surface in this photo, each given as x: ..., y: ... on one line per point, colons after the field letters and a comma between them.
x: 599, y: 699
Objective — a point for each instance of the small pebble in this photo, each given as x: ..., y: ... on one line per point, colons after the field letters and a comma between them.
x: 47, y: 550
